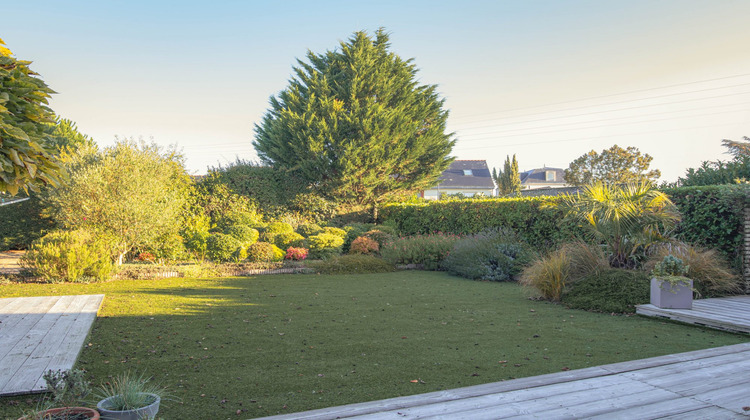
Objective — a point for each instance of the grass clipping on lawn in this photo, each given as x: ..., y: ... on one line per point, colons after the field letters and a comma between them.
x: 245, y: 347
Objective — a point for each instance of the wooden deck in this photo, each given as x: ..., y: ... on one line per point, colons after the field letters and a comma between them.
x: 41, y: 333
x: 727, y: 313
x: 712, y: 383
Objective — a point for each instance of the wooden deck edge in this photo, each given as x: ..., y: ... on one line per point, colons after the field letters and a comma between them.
x: 688, y: 318
x: 397, y: 403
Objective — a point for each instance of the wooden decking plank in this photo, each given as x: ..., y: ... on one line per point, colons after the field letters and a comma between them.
x: 57, y: 334
x: 713, y: 413
x: 626, y: 396
x: 607, y: 404
x: 689, y: 368
x: 656, y: 410
x: 29, y: 359
x: 733, y: 397
x: 22, y: 338
x: 500, y: 402
x: 15, y: 311
x: 730, y: 313
x: 68, y: 351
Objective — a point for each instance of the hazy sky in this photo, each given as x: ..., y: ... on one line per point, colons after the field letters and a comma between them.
x: 546, y: 80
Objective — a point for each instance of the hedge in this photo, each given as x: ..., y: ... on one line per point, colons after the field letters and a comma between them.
x: 542, y: 227
x: 713, y: 217
x: 23, y: 223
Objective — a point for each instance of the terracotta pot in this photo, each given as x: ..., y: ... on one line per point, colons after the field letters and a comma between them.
x: 90, y: 412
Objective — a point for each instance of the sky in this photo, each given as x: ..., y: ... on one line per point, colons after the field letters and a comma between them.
x: 545, y: 80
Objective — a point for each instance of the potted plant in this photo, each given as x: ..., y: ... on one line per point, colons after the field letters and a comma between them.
x: 670, y: 289
x: 129, y: 397
x: 68, y: 389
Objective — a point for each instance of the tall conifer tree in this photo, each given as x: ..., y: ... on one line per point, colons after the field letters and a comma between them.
x: 356, y: 125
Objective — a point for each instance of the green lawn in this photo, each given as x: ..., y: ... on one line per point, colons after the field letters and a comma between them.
x: 279, y: 344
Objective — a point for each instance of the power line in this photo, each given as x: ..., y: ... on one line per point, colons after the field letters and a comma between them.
x: 607, y: 119
x: 618, y: 109
x: 590, y: 138
x: 609, y: 96
x: 604, y: 125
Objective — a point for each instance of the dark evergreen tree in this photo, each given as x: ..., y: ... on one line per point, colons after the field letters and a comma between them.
x: 355, y: 124
x: 509, y: 181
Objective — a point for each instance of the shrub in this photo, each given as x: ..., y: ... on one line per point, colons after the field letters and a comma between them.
x: 363, y: 245
x: 572, y: 261
x: 426, y: 250
x: 146, y: 257
x: 324, y: 245
x: 354, y: 231
x: 243, y: 233
x: 379, y: 236
x: 296, y: 254
x: 263, y: 252
x: 351, y: 264
x: 273, y: 229
x: 286, y: 239
x: 710, y: 273
x: 71, y: 256
x: 341, y: 233
x: 495, y: 255
x: 548, y: 275
x: 195, y: 233
x: 221, y: 247
x: 611, y: 291
x: 309, y: 229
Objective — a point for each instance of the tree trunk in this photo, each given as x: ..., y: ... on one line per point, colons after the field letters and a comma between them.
x: 375, y: 212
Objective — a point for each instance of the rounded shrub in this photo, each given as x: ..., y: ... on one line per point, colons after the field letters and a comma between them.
x: 428, y: 251
x: 286, y: 239
x: 354, y: 231
x: 309, y: 229
x: 221, y: 247
x: 495, y: 255
x: 324, y: 245
x: 363, y: 245
x: 274, y: 229
x: 379, y: 236
x: 71, y: 256
x: 614, y: 290
x: 264, y: 252
x: 296, y: 254
x: 243, y: 233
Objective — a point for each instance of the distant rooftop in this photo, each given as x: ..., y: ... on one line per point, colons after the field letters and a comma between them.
x: 467, y: 174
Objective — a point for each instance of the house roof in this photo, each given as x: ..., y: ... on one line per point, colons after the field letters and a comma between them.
x: 458, y: 175
x: 539, y: 176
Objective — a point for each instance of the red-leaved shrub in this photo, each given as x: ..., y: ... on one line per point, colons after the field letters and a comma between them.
x: 296, y: 254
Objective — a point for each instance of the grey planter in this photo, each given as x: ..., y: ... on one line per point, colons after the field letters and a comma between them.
x: 665, y: 295
x: 148, y: 412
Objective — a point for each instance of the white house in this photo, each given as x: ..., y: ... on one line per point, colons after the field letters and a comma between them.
x: 543, y: 178
x: 467, y: 177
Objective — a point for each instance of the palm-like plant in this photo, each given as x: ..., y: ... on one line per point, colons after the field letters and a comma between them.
x: 627, y: 219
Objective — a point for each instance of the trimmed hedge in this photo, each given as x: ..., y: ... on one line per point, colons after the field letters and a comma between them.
x: 23, y: 223
x: 713, y: 217
x: 541, y: 227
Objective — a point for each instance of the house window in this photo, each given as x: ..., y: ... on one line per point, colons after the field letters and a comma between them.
x: 550, y: 176
x: 467, y: 172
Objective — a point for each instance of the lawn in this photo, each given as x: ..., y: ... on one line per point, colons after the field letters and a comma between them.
x: 245, y: 347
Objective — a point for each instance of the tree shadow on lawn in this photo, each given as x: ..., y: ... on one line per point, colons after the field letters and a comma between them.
x: 284, y: 343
